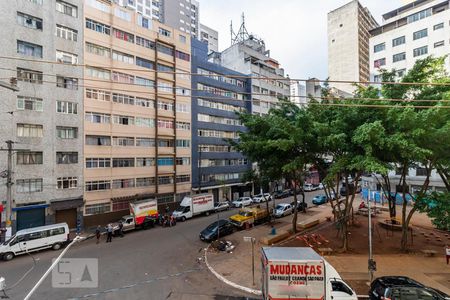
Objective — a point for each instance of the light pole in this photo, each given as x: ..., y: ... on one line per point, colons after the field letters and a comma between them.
x: 371, y: 264
x: 252, y: 240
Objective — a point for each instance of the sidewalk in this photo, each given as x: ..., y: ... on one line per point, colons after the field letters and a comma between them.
x: 237, y: 266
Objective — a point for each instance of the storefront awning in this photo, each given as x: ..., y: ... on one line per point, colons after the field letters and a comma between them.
x: 28, y: 207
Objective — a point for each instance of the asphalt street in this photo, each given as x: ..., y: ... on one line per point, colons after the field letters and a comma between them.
x: 159, y: 263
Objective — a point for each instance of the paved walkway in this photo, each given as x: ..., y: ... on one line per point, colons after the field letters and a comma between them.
x: 237, y: 266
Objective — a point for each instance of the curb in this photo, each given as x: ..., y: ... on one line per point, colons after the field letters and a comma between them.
x: 228, y: 282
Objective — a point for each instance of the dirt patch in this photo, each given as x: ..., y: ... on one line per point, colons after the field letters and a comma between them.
x: 385, y: 241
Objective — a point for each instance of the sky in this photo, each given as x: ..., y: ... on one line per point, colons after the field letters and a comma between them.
x: 295, y: 31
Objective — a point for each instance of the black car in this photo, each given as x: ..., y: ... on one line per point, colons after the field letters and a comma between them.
x: 301, y: 206
x: 282, y: 194
x: 216, y: 230
x: 400, y: 288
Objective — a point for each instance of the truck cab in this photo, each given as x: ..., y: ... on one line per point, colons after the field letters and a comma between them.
x: 183, y: 212
x: 128, y: 223
x: 250, y: 216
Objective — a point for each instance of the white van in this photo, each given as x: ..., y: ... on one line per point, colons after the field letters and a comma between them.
x: 35, y: 239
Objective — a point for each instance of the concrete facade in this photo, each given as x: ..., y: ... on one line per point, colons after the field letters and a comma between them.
x: 45, y: 116
x: 348, y: 45
x: 409, y: 33
x: 268, y: 80
x: 137, y: 112
x: 149, y: 8
x: 210, y: 37
x: 182, y: 15
x: 298, y: 94
x: 217, y: 167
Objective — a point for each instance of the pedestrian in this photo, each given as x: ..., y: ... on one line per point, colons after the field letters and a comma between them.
x: 172, y: 221
x: 160, y: 220
x: 273, y: 230
x: 121, y: 229
x: 167, y: 209
x: 109, y: 230
x: 447, y: 253
x: 98, y: 233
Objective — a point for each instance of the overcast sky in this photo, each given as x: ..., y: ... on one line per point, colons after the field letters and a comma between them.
x: 294, y: 30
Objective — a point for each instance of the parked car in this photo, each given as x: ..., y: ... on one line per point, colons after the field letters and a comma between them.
x: 308, y: 187
x: 259, y: 198
x: 243, y: 201
x: 34, y: 239
x: 216, y: 230
x: 282, y: 209
x: 319, y: 199
x: 282, y: 194
x: 401, y: 287
x: 300, y: 205
x: 220, y: 206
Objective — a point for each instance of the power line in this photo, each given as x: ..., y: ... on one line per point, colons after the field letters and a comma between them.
x: 231, y: 76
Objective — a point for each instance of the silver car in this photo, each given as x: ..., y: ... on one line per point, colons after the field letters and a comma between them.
x: 283, y: 209
x: 221, y: 206
x: 243, y: 201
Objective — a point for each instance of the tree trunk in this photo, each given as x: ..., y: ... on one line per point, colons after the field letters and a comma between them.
x: 294, y: 218
x: 404, y: 240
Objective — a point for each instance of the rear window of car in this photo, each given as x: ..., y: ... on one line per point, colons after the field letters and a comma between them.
x: 410, y: 293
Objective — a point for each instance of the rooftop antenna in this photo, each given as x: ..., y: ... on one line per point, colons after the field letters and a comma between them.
x: 242, y: 33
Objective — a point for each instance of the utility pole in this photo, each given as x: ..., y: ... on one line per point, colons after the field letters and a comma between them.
x: 9, y: 143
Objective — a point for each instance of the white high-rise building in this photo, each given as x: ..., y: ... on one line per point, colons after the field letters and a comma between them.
x: 348, y: 45
x: 409, y: 33
x: 209, y: 36
x: 298, y: 94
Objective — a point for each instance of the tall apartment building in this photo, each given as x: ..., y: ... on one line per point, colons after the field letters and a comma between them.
x: 137, y: 111
x: 210, y: 37
x: 409, y: 33
x: 348, y: 45
x: 44, y: 118
x: 298, y: 94
x: 217, y: 167
x: 250, y: 57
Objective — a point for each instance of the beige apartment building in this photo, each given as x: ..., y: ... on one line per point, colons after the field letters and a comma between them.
x: 137, y: 126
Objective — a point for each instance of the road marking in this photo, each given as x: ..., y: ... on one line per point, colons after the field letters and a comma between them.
x: 95, y: 295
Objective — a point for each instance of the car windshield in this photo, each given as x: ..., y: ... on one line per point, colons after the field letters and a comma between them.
x: 245, y: 213
x: 180, y: 208
x: 279, y: 207
x: 123, y: 220
x: 212, y: 227
x: 9, y: 240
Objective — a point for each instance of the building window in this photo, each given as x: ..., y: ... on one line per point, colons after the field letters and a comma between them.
x: 164, y: 32
x: 98, y: 94
x: 127, y: 37
x: 98, y: 73
x: 165, y: 143
x: 122, y: 204
x: 98, y: 5
x: 29, y: 158
x: 145, y: 102
x: 420, y: 51
x: 66, y: 33
x: 123, y: 99
x: 29, y: 130
x: 146, y: 181
x: 218, y: 134
x: 98, y: 50
x: 439, y: 44
x: 220, y: 92
x: 144, y: 82
x: 66, y: 158
x: 29, y: 185
x: 97, y: 118
x: 215, y: 148
x: 145, y: 63
x: 218, y: 120
x: 401, y: 72
x: 66, y: 107
x: 95, y: 209
x: 123, y: 162
x: 66, y: 132
x: 66, y: 57
x: 145, y: 162
x: 420, y: 34
x: 123, y: 141
x: 183, y: 178
x: 164, y: 49
x: 182, y: 55
x: 183, y: 126
x: 29, y: 103
x: 123, y: 120
x: 399, y: 57
x: 98, y: 140
x: 29, y: 76
x: 421, y: 171
x: 145, y: 122
x: 219, y: 105
x: 379, y: 47
x: 66, y: 8
x: 379, y: 62
x: 168, y: 124
x: 183, y: 108
x: 183, y: 161
x: 145, y: 142
x: 438, y: 26
x: 122, y: 14
x: 67, y: 82
x: 123, y: 183
x: 144, y: 42
x: 144, y: 22
x: 97, y: 186
x: 123, y: 57
x: 95, y: 163
x: 29, y: 49
x: 29, y: 21
x: 420, y: 15
x: 165, y: 180
x: 39, y: 2
x: 66, y: 183
x: 97, y: 26
x: 183, y: 143
x: 122, y: 78
x: 182, y: 38
x: 398, y: 41
x: 165, y: 161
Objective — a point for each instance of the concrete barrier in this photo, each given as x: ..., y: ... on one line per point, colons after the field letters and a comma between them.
x: 308, y: 224
x: 272, y: 239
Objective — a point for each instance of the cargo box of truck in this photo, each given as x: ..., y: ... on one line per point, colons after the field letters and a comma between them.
x: 194, y: 205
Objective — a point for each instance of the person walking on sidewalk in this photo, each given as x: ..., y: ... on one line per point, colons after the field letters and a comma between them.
x: 447, y: 253
x: 121, y: 229
x: 109, y: 230
x: 98, y: 233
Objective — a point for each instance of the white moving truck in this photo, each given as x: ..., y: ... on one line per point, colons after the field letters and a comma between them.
x: 300, y: 273
x: 194, y: 205
x: 143, y: 214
